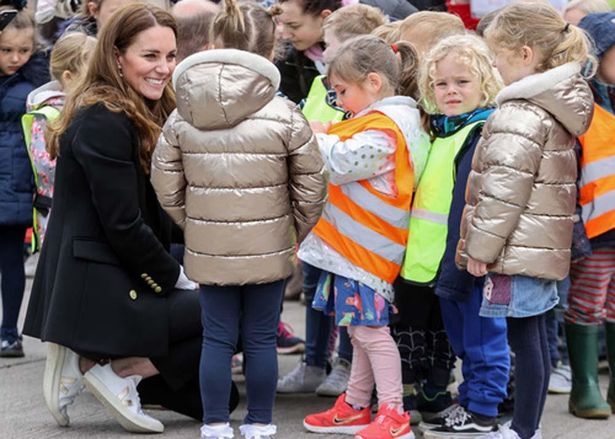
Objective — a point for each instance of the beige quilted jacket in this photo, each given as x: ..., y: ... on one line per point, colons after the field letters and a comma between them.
x: 238, y: 169
x: 521, y: 192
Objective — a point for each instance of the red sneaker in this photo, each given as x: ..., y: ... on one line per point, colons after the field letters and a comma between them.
x: 341, y: 418
x: 388, y: 424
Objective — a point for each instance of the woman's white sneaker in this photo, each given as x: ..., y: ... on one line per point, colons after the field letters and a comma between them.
x: 62, y: 381
x: 120, y: 397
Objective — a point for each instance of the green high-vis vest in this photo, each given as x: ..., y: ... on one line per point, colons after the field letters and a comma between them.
x: 317, y: 108
x: 430, y: 208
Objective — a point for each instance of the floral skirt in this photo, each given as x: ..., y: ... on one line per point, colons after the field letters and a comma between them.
x: 351, y: 302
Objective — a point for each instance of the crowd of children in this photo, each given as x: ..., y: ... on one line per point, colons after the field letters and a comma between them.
x: 470, y: 186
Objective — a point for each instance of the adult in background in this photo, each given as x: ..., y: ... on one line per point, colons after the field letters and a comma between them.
x: 107, y: 294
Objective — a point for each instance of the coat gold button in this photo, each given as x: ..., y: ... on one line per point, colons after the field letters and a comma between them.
x: 150, y: 282
x: 144, y: 275
x: 133, y: 294
x: 158, y: 290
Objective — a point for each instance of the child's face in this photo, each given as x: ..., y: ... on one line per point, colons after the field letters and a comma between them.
x: 514, y: 65
x: 456, y: 89
x: 16, y: 46
x: 606, y: 71
x: 301, y: 29
x: 354, y: 97
x: 332, y: 43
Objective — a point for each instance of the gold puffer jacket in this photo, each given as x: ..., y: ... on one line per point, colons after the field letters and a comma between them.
x: 521, y: 192
x: 238, y: 169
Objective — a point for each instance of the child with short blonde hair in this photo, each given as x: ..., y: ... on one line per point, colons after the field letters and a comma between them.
x: 360, y: 239
x: 521, y: 195
x: 458, y: 86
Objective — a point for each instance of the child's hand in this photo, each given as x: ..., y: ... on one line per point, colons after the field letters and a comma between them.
x: 476, y: 268
x: 320, y: 127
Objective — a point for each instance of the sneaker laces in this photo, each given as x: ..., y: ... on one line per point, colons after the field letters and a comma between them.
x: 458, y: 416
x: 250, y: 431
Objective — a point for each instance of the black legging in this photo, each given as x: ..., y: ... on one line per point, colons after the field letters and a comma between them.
x: 528, y: 340
x: 13, y: 277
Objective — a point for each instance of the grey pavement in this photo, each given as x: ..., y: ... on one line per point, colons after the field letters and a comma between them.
x: 23, y: 414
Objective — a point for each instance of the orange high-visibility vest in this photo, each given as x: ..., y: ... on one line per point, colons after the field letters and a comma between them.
x: 597, y: 188
x: 365, y: 226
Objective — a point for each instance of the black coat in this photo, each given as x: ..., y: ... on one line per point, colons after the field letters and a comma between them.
x: 104, y: 270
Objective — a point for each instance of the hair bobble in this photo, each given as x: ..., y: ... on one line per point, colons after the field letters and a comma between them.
x: 566, y: 28
x: 394, y: 48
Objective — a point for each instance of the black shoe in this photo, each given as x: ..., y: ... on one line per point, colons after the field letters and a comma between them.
x: 11, y: 349
x: 462, y: 423
x: 439, y: 419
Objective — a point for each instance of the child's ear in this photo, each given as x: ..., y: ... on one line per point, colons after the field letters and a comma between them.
x: 527, y: 55
x: 93, y: 9
x: 375, y: 81
x: 325, y: 13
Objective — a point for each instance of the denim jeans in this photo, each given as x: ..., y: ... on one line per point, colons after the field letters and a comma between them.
x: 228, y: 311
x: 319, y: 326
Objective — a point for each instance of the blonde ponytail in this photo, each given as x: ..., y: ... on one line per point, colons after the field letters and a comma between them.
x: 540, y: 26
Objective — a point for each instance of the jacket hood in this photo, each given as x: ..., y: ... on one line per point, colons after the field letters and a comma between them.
x: 220, y: 88
x: 42, y: 94
x: 561, y: 91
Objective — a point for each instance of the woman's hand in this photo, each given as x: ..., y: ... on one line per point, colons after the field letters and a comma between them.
x: 476, y: 268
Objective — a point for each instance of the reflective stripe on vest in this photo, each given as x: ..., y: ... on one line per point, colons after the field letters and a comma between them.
x: 317, y: 107
x: 597, y: 187
x: 431, y: 206
x: 365, y: 226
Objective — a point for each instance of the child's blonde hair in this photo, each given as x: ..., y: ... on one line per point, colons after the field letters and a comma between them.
x: 431, y: 26
x: 469, y: 50
x: 247, y: 26
x: 539, y: 26
x: 71, y: 52
x: 588, y: 6
x: 360, y: 56
x: 353, y: 20
x: 389, y: 32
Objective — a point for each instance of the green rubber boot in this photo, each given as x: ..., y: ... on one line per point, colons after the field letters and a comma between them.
x: 585, y: 398
x: 610, y: 343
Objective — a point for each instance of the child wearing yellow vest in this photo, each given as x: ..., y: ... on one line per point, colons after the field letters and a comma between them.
x: 360, y: 239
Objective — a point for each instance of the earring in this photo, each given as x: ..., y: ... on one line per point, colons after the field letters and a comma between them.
x: 119, y: 69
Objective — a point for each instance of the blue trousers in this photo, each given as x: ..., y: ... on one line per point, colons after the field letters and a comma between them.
x: 13, y: 278
x: 318, y: 325
x: 228, y: 311
x: 482, y: 345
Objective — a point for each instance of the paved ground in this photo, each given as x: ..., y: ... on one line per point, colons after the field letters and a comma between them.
x: 24, y: 415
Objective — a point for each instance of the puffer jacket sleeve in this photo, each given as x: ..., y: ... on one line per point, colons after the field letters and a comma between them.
x: 507, y: 161
x: 307, y: 174
x: 167, y: 173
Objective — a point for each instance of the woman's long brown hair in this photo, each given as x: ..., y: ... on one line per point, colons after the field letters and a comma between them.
x: 103, y: 84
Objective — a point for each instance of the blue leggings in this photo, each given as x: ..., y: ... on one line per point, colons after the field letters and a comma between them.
x: 13, y: 278
x: 228, y: 311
